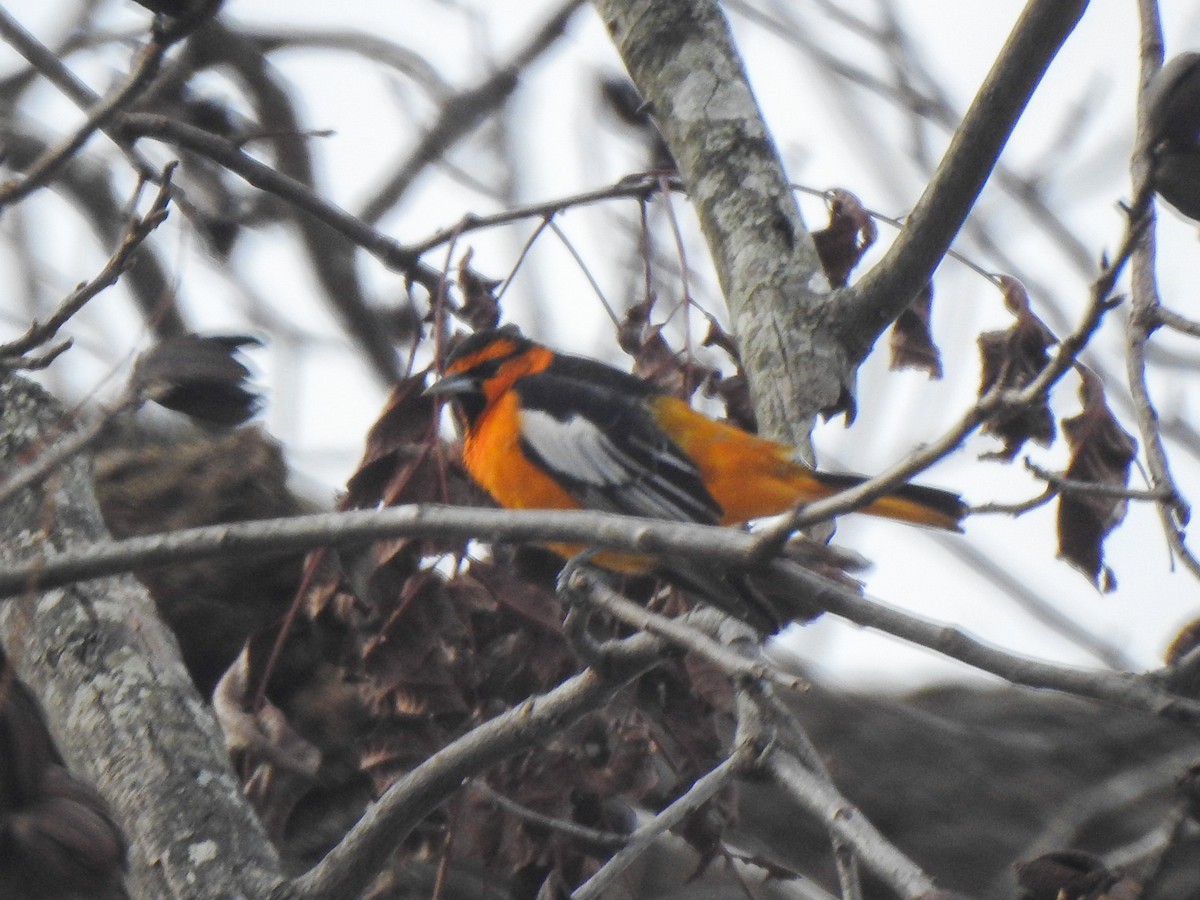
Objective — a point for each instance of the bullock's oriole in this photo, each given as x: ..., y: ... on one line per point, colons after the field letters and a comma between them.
x: 549, y: 431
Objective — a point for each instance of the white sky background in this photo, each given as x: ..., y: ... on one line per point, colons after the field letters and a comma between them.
x: 1076, y: 135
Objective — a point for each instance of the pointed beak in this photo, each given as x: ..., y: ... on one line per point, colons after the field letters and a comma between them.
x: 452, y: 385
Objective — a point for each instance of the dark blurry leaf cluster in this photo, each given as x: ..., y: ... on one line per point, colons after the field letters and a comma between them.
x: 57, y: 837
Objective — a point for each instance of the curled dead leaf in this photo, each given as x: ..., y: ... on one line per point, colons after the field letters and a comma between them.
x: 842, y: 243
x: 911, y: 342
x: 1011, y: 360
x: 1101, y: 454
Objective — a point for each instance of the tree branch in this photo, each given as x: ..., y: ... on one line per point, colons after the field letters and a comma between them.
x: 227, y: 153
x: 866, y: 309
x: 463, y: 112
x: 716, y: 546
x: 682, y: 58
x: 823, y: 800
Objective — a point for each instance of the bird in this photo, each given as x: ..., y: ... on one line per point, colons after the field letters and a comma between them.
x: 548, y: 430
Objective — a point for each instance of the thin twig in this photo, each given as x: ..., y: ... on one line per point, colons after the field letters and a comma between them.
x: 594, y: 836
x: 461, y: 113
x: 142, y: 226
x: 1000, y: 575
x: 638, y: 188
x: 47, y: 63
x: 1145, y: 313
x: 701, y: 791
x: 1070, y: 485
x: 1176, y: 322
x: 1015, y: 509
x: 587, y: 587
x: 789, y: 730
x: 100, y: 115
x: 387, y: 250
x: 1104, y: 801
x: 823, y: 800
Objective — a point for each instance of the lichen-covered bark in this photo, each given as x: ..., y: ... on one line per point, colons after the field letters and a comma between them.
x: 681, y: 56
x: 119, y: 703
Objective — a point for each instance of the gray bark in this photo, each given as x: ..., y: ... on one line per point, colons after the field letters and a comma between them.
x: 118, y: 701
x: 681, y: 56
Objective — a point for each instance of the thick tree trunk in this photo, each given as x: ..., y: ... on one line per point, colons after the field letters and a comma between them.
x: 117, y: 698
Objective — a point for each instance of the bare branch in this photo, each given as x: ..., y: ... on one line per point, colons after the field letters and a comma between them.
x: 46, y: 63
x: 639, y: 187
x: 823, y: 800
x: 1176, y: 322
x: 1058, y: 483
x: 40, y: 173
x: 587, y: 588
x: 229, y: 154
x: 872, y: 304
x: 606, y: 839
x: 717, y: 546
x: 1145, y: 314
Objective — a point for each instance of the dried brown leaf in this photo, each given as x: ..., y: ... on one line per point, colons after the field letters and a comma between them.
x: 1101, y: 453
x: 263, y: 734
x: 734, y: 392
x: 842, y: 243
x: 1012, y: 359
x: 716, y: 336
x: 532, y: 603
x: 911, y: 342
x: 652, y: 358
x: 405, y: 424
x: 480, y: 309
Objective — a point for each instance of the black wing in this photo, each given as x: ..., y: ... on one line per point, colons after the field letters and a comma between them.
x: 605, y: 448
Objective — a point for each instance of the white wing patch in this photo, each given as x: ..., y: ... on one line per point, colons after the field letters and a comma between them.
x: 575, y: 447
x: 653, y: 480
